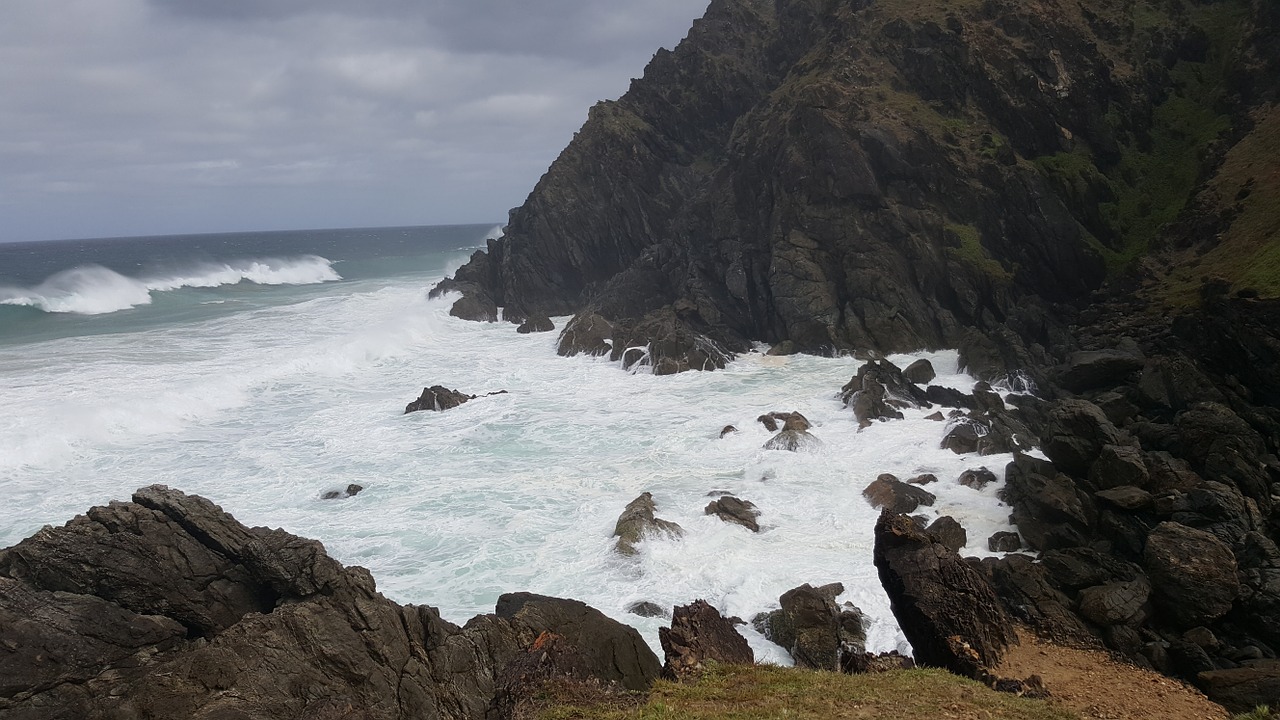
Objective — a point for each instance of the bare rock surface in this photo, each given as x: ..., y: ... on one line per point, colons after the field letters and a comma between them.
x: 699, y: 633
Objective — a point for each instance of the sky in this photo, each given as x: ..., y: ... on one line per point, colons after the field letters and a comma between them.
x: 143, y: 117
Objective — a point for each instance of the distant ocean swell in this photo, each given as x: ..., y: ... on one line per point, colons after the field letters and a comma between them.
x: 95, y: 290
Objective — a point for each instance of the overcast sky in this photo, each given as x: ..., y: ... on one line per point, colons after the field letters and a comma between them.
x: 138, y: 117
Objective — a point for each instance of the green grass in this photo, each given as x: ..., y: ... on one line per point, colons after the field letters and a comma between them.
x: 767, y: 693
x: 973, y: 254
x: 1262, y: 712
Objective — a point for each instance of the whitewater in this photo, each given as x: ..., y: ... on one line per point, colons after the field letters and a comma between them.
x: 263, y: 398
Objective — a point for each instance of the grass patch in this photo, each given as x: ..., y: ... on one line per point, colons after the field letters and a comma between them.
x: 767, y: 692
x: 973, y: 254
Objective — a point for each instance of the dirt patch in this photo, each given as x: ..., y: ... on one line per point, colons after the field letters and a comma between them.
x: 1095, y: 685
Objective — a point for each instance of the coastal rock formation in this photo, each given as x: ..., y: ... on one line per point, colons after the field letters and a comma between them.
x: 948, y: 611
x: 166, y: 606
x: 732, y: 510
x: 438, y: 398
x: 638, y: 522
x: 895, y: 496
x: 699, y: 633
x: 817, y: 632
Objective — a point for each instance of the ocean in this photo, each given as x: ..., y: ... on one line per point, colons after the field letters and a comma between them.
x: 262, y: 370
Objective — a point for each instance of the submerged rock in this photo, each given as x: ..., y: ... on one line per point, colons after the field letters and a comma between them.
x: 438, y: 398
x: 351, y: 491
x: 732, y: 510
x: 536, y: 324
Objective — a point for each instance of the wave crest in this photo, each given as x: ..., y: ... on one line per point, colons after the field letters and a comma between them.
x: 96, y: 290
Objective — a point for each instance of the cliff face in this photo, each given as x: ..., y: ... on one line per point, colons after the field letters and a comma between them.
x: 888, y: 175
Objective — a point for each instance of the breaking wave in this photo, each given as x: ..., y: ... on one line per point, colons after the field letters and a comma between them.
x: 96, y: 290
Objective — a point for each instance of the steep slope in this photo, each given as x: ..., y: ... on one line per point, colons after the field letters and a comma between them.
x: 888, y: 175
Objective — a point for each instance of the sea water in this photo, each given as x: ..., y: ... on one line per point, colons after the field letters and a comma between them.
x: 262, y: 370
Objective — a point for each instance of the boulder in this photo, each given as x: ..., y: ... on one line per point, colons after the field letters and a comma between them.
x: 1004, y: 541
x: 699, y: 633
x: 949, y: 397
x: 638, y: 522
x: 1030, y: 597
x: 923, y: 479
x: 1118, y: 603
x: 947, y: 610
x: 611, y: 651
x: 477, y: 306
x: 976, y: 478
x: 1089, y: 369
x: 1174, y: 383
x: 863, y: 663
x: 919, y: 372
x: 351, y: 491
x: 1048, y: 508
x: 785, y: 420
x: 813, y: 628
x: 893, y: 495
x: 949, y: 532
x: 1125, y: 497
x: 879, y: 391
x: 536, y: 324
x: 1075, y: 434
x: 438, y: 398
x: 732, y: 510
x: 1118, y: 465
x: 665, y: 342
x: 644, y: 608
x: 586, y: 334
x: 1223, y: 447
x: 728, y: 430
x: 794, y: 441
x: 1193, y: 573
x: 1243, y: 689
x: 987, y: 434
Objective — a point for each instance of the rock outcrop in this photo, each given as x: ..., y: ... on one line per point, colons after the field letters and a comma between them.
x: 819, y: 633
x: 638, y: 522
x: 698, y: 634
x: 166, y: 606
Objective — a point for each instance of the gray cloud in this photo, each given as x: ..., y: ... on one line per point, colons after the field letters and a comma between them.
x: 155, y: 116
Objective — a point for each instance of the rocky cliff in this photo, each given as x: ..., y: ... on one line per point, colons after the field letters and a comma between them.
x: 897, y: 174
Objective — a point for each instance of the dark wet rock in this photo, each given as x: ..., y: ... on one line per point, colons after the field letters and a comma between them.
x: 614, y: 652
x: 351, y: 491
x: 948, y: 531
x: 947, y: 610
x: 1170, y: 473
x: 923, y: 479
x: 784, y: 348
x: 1175, y: 383
x: 977, y: 478
x: 794, y: 441
x: 438, y: 398
x: 1241, y: 690
x: 1193, y: 572
x: 862, y: 663
x: 149, y: 609
x: 1224, y: 448
x: 785, y: 420
x: 638, y: 522
x: 1125, y: 497
x: 987, y: 400
x: 536, y: 324
x: 936, y: 417
x: 728, y: 430
x: 949, y: 397
x: 919, y: 372
x: 699, y: 634
x: 732, y: 510
x: 895, y: 496
x: 1048, y: 508
x: 475, y: 305
x: 879, y: 392
x: 667, y: 344
x: 987, y: 434
x: 1089, y: 369
x: 1119, y: 603
x: 644, y: 608
x: 1031, y: 597
x: 1004, y: 541
x: 586, y: 335
x: 1118, y: 408
x: 1075, y: 435
x: 1076, y: 568
x: 1119, y: 465
x: 813, y: 627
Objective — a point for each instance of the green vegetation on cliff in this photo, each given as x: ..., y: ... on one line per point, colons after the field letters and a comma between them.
x: 766, y: 692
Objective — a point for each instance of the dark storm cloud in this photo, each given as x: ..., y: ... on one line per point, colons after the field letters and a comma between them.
x: 139, y: 116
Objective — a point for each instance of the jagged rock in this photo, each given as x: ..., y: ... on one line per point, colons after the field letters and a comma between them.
x: 949, y: 397
x: 536, y: 324
x: 667, y: 344
x: 919, y: 372
x: 949, y: 532
x: 1170, y: 473
x: 1075, y: 435
x: 1087, y: 369
x: 1048, y: 508
x: 1126, y: 497
x: 698, y: 634
x: 813, y: 628
x: 1193, y: 572
x: 150, y: 608
x: 1175, y: 383
x: 1030, y: 597
x: 1224, y: 448
x: 732, y: 510
x: 1004, y: 541
x: 438, y: 398
x: 790, y: 421
x: 638, y: 522
x: 987, y: 434
x: 550, y: 657
x: 1077, y: 568
x: 1117, y: 407
x: 612, y: 652
x: 879, y: 391
x: 475, y: 305
x: 977, y: 478
x: 892, y: 494
x: 1241, y: 690
x: 586, y: 334
x: 946, y: 609
x: 351, y: 491
x: 644, y: 608
x: 1120, y: 603
x: 1118, y: 465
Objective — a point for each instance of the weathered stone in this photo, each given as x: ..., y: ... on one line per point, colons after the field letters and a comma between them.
x: 1004, y: 541
x: 919, y: 372
x: 644, y: 608
x: 1121, y: 603
x: 896, y: 496
x: 588, y: 334
x: 1126, y: 497
x: 947, y: 610
x: 923, y: 479
x: 1193, y: 572
x: 772, y: 421
x: 438, y: 398
x: 1030, y: 597
x: 1087, y: 369
x: 536, y: 324
x: 976, y: 478
x: 1048, y: 508
x: 794, y: 441
x: 732, y: 510
x: 949, y: 532
x: 699, y: 634
x: 1075, y: 435
x: 728, y: 430
x: 813, y: 628
x: 1119, y: 465
x: 638, y: 522
x: 1241, y: 690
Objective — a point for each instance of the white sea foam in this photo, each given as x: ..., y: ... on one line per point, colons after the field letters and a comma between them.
x: 96, y: 290
x: 264, y: 410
